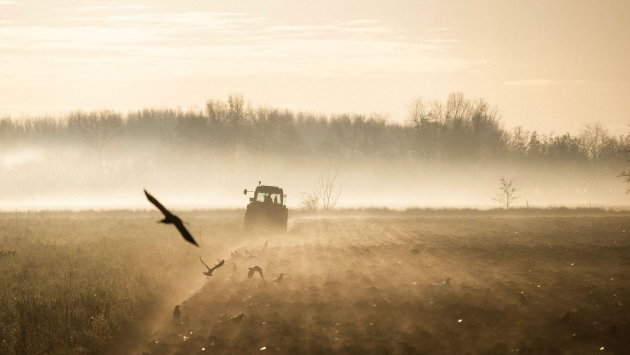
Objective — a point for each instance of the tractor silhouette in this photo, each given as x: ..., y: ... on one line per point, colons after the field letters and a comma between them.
x: 266, y: 210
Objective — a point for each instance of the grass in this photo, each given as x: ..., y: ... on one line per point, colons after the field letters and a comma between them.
x: 106, y: 282
x: 71, y: 283
x: 532, y: 285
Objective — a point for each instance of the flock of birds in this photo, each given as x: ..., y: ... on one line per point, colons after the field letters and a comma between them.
x: 170, y: 218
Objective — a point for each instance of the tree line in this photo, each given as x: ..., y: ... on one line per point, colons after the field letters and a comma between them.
x: 455, y: 130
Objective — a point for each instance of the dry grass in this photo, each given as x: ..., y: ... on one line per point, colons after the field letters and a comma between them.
x: 354, y: 285
x: 74, y: 281
x: 376, y: 285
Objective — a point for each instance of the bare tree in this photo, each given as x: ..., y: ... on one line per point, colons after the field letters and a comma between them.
x: 593, y: 138
x: 98, y: 129
x: 193, y: 128
x: 216, y: 111
x: 517, y: 141
x: 507, y: 193
x: 457, y: 107
x: 228, y: 120
x: 373, y: 135
x: 327, y: 191
x: 426, y: 118
x: 347, y: 130
x: 310, y: 201
x: 400, y: 138
x: 265, y: 128
x: 625, y: 176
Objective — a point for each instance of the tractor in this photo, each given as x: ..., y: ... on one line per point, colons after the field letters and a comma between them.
x: 266, y: 210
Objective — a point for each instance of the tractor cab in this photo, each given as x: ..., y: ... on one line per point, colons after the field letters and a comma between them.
x: 266, y: 210
x: 268, y: 194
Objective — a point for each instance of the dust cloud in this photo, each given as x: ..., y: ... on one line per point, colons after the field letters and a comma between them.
x: 414, y: 285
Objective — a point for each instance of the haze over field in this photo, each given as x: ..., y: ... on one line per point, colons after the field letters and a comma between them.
x: 91, y: 93
x: 107, y: 282
x: 449, y: 153
x: 421, y: 177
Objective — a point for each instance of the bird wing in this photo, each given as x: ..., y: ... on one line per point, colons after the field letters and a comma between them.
x: 250, y: 273
x: 219, y: 265
x: 157, y: 204
x: 184, y: 232
x: 204, y: 263
x: 260, y: 272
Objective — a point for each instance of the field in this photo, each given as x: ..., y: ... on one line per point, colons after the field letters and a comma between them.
x: 83, y: 283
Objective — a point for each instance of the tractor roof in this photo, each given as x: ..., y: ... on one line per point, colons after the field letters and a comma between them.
x: 269, y: 189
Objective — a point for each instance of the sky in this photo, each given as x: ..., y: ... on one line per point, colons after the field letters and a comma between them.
x: 551, y: 66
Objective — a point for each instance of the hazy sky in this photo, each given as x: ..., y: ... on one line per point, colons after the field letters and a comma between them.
x: 547, y: 65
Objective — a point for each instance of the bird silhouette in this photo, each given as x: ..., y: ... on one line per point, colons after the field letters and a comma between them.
x: 447, y: 282
x: 170, y: 218
x: 236, y: 255
x: 253, y: 270
x: 234, y: 268
x: 279, y: 279
x: 211, y: 270
x: 237, y: 319
x: 266, y: 244
x: 249, y: 258
x: 177, y: 313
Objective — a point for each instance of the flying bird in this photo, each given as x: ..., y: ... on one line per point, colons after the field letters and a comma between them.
x: 250, y: 257
x: 279, y: 279
x: 447, y: 282
x: 234, y: 268
x: 266, y: 244
x: 170, y: 218
x: 236, y: 255
x: 211, y: 270
x: 177, y: 313
x: 253, y: 270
